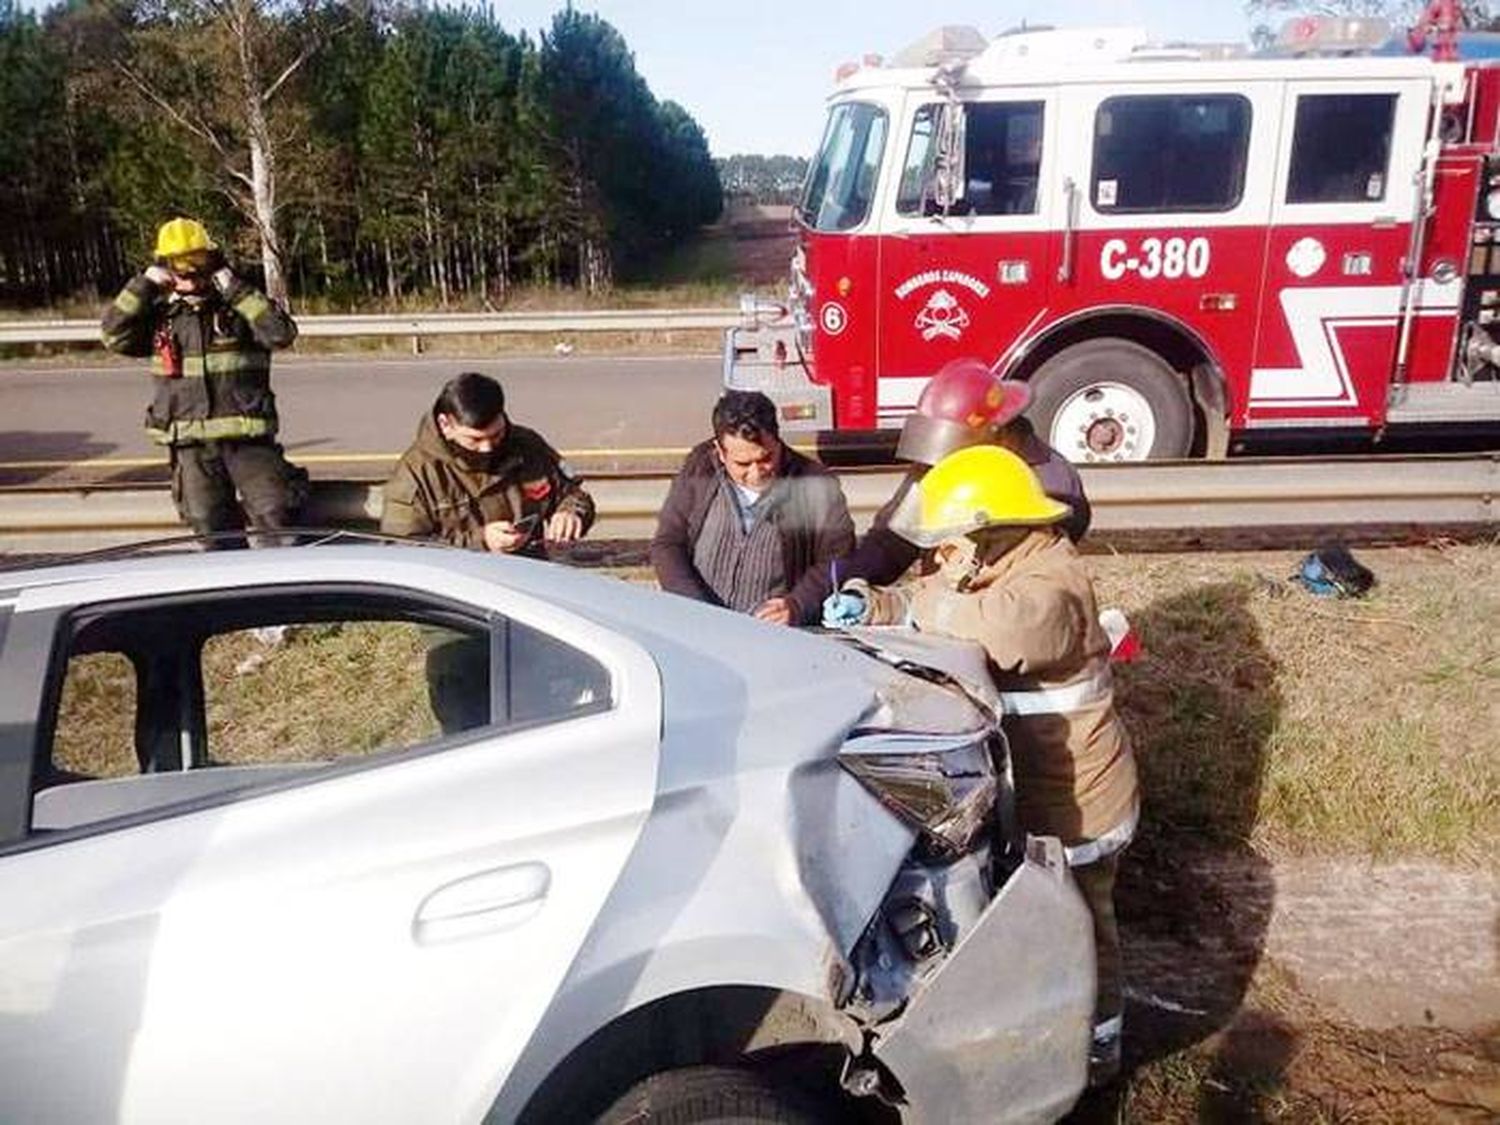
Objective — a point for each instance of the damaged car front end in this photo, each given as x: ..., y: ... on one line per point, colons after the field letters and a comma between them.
x: 973, y: 983
x: 841, y: 906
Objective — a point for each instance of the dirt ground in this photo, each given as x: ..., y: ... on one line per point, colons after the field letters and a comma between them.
x: 1311, y: 914
x: 1306, y: 991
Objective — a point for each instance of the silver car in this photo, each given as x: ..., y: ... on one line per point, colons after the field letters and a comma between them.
x: 407, y: 834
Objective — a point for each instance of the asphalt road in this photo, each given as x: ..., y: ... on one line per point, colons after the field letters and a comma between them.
x: 350, y: 417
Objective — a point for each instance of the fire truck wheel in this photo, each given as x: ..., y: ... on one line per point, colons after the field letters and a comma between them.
x: 1111, y: 400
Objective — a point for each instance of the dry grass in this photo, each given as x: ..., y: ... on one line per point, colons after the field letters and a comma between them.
x: 1263, y: 715
x: 95, y: 733
x: 324, y: 692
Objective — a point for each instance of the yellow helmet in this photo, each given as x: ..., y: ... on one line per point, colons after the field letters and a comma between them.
x: 181, y: 237
x: 981, y: 486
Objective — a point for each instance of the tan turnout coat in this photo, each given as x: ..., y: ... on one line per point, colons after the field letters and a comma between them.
x: 1033, y: 610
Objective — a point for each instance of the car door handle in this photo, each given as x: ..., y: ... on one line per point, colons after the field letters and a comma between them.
x: 489, y: 901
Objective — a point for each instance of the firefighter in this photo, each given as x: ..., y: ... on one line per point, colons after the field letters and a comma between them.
x: 473, y: 479
x: 1008, y: 578
x: 964, y: 404
x: 210, y: 336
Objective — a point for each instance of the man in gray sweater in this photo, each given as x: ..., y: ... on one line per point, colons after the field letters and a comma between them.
x: 749, y: 523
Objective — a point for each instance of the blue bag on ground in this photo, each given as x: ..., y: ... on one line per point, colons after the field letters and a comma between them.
x: 1332, y: 572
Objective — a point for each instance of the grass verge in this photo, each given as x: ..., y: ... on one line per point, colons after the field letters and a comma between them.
x: 1265, y: 716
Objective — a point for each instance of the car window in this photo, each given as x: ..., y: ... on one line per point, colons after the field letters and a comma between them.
x: 1170, y: 152
x: 94, y: 735
x: 320, y: 692
x: 255, y: 688
x: 1341, y: 148
x: 548, y: 680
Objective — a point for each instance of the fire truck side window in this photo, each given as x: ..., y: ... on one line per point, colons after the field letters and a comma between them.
x: 1170, y: 152
x: 921, y: 152
x: 1003, y: 157
x: 1341, y: 149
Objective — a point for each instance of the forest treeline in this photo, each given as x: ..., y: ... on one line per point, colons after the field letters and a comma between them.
x: 354, y: 151
x: 763, y: 179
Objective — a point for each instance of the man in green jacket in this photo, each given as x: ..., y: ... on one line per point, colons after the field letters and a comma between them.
x: 210, y: 336
x: 474, y: 479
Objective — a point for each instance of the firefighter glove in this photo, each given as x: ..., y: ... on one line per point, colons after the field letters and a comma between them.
x: 877, y: 605
x: 843, y: 608
x: 159, y: 276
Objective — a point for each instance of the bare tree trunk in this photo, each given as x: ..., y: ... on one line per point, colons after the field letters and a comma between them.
x: 242, y: 15
x: 504, y: 264
x: 441, y: 254
x: 263, y: 188
x: 392, y: 290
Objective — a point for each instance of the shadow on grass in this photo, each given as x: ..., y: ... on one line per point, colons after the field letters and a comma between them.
x: 1194, y: 899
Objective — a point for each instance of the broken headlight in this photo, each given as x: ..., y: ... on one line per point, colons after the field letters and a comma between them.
x: 943, y: 784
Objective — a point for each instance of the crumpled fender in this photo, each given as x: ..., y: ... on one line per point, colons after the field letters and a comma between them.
x: 1000, y: 1032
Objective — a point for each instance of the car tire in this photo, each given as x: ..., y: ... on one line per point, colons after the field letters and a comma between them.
x: 713, y: 1095
x: 1111, y: 400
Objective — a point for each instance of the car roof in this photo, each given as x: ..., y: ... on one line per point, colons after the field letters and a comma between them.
x: 678, y: 631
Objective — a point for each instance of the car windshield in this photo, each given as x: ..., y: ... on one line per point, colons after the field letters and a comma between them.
x: 841, y: 184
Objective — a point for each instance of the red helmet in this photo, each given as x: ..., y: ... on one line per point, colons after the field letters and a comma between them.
x: 962, y: 405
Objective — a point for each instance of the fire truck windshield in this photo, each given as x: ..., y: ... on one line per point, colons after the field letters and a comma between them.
x: 842, y: 181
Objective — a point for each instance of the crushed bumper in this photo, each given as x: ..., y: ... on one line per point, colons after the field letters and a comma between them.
x: 765, y: 358
x: 1000, y: 1032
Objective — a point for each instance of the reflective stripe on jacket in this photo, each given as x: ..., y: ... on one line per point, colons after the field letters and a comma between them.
x: 224, y: 344
x: 1033, y: 611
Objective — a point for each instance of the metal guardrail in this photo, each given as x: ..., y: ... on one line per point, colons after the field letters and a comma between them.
x: 1230, y: 503
x: 425, y: 324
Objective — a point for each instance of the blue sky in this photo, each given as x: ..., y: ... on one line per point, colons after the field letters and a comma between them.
x: 754, y: 72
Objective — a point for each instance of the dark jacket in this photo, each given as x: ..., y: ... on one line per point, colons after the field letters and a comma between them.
x: 224, y: 343
x: 435, y: 494
x: 813, y: 522
x: 883, y: 556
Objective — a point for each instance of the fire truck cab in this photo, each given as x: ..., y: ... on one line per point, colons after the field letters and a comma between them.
x: 1171, y: 248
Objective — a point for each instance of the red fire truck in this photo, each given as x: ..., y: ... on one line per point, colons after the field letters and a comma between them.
x: 1171, y: 248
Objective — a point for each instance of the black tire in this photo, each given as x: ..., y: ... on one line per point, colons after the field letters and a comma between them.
x: 712, y: 1095
x: 1074, y: 374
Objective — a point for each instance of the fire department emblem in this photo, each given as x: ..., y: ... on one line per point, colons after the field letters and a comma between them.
x: 1306, y: 257
x: 943, y: 316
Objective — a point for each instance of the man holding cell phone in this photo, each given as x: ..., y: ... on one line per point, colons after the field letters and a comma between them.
x: 474, y: 479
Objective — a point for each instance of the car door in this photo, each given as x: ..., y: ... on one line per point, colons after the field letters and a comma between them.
x: 372, y: 940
